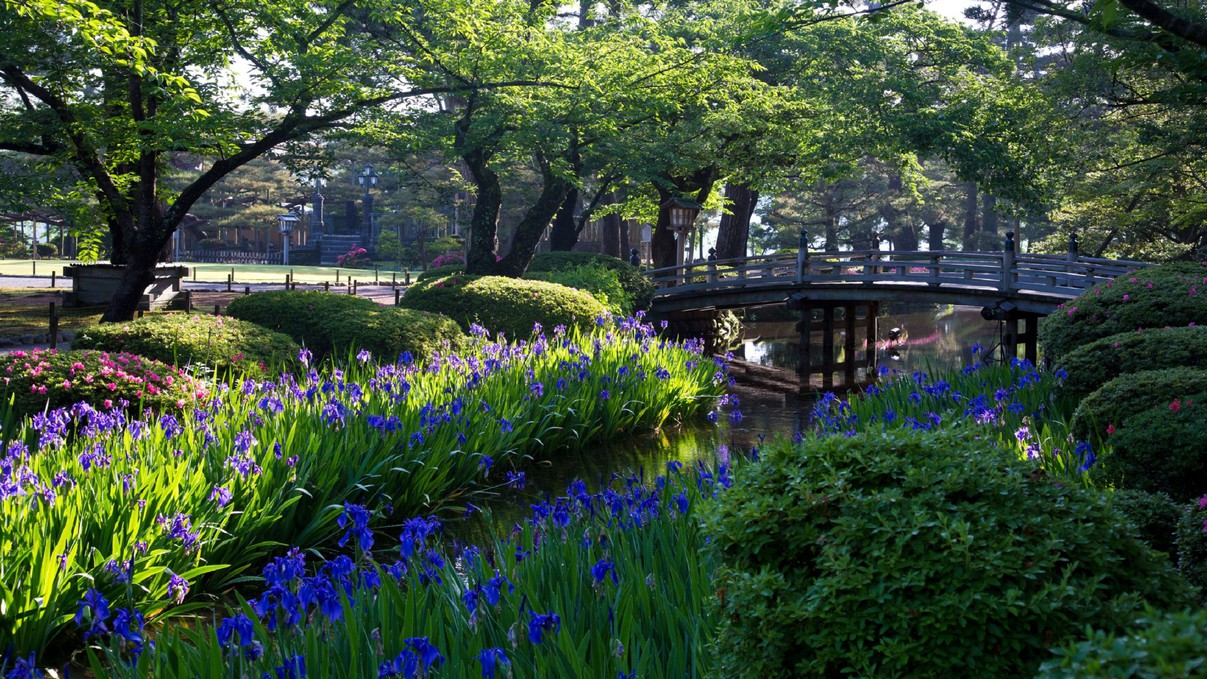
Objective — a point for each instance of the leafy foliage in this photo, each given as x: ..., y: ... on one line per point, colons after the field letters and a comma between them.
x: 1157, y: 644
x: 1162, y: 296
x: 602, y: 283
x: 915, y: 555
x: 1192, y: 543
x: 1094, y: 364
x: 1104, y: 410
x: 508, y: 305
x: 1155, y: 516
x: 1160, y: 449
x: 637, y: 286
x: 227, y: 345
x: 328, y: 323
x: 41, y: 379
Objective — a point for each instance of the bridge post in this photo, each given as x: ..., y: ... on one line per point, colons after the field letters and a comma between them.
x: 1071, y: 258
x: 712, y: 265
x: 1008, y: 272
x: 802, y: 257
x: 848, y: 349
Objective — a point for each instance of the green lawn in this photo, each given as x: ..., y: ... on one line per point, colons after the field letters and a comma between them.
x: 26, y: 311
x: 244, y: 273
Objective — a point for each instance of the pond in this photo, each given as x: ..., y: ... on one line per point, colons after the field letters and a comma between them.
x: 925, y: 336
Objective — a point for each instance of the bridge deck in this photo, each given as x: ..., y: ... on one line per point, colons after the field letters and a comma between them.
x: 1035, y: 283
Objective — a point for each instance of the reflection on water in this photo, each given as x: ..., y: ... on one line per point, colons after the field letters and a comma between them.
x: 931, y: 336
x: 915, y: 339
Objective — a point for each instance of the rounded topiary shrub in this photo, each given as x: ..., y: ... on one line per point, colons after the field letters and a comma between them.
x: 35, y: 380
x: 917, y: 554
x: 1163, y: 449
x: 1160, y: 296
x: 638, y: 288
x: 227, y: 345
x: 440, y: 272
x: 1158, y: 644
x: 1191, y: 539
x: 601, y: 282
x: 1155, y: 516
x: 1101, y: 413
x: 1092, y: 365
x: 328, y: 323
x: 500, y: 304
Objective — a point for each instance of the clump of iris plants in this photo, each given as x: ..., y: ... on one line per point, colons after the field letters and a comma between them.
x: 605, y: 583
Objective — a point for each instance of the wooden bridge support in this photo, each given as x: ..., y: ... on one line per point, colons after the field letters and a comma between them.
x: 835, y: 320
x: 1028, y: 338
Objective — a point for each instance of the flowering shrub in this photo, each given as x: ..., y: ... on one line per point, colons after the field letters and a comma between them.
x: 1101, y: 414
x: 1161, y: 449
x: 501, y: 304
x: 222, y: 343
x: 355, y: 258
x: 932, y: 554
x: 1157, y: 644
x: 327, y: 322
x: 1167, y: 295
x: 1192, y: 543
x: 45, y: 378
x: 447, y: 259
x: 1093, y: 364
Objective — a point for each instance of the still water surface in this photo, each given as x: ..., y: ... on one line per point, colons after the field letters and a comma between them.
x: 927, y: 337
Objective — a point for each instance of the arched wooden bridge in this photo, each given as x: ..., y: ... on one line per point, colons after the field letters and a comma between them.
x: 1009, y: 285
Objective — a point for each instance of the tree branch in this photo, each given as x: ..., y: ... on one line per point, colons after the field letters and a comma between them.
x: 1168, y: 21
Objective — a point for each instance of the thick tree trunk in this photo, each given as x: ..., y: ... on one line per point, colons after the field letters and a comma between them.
x: 970, y: 215
x: 564, y: 234
x: 484, y: 220
x: 935, y: 237
x: 698, y: 186
x: 611, y: 230
x: 528, y: 232
x: 988, y: 215
x: 733, y: 236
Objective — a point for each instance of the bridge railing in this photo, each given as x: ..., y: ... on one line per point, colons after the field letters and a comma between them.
x: 1005, y: 272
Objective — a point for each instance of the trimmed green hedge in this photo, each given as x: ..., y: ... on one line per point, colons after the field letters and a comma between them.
x: 440, y: 272
x: 1158, y: 645
x: 1155, y: 516
x: 1112, y: 403
x: 1163, y: 449
x: 1172, y: 295
x: 1092, y: 365
x: 637, y: 286
x: 329, y: 323
x: 603, y: 284
x: 501, y: 304
x: 916, y: 554
x: 228, y: 345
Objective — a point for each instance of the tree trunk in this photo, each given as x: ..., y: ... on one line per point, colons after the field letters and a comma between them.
x: 733, y: 236
x: 611, y: 230
x: 989, y: 215
x: 484, y: 220
x: 935, y: 237
x: 564, y: 234
x: 698, y: 186
x: 532, y: 225
x: 970, y: 215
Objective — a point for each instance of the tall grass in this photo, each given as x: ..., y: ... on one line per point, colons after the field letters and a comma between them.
x: 93, y: 499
